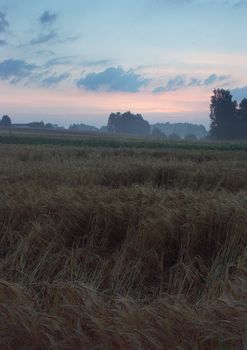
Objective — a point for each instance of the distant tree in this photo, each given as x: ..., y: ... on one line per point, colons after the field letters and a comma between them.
x: 174, y: 137
x: 157, y: 133
x: 6, y: 121
x: 223, y: 115
x: 49, y: 126
x: 243, y: 105
x: 241, y: 120
x: 114, y: 121
x: 104, y: 129
x: 190, y: 137
x: 38, y: 125
x: 128, y: 123
x: 243, y: 110
x: 83, y: 127
x: 182, y: 129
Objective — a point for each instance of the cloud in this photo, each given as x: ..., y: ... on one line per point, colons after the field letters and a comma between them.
x: 240, y: 93
x: 48, y: 17
x: 3, y: 22
x: 59, y: 61
x: 181, y: 81
x: 113, y: 80
x: 65, y: 60
x: 175, y: 84
x: 214, y: 78
x: 44, y: 38
x: 159, y: 90
x: 69, y: 39
x: 92, y: 63
x: 3, y: 42
x: 54, y: 79
x: 172, y: 85
x: 15, y: 70
x: 240, y: 5
x: 161, y: 4
x: 45, y: 52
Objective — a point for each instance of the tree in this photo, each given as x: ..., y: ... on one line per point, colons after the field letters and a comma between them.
x: 37, y: 125
x: 241, y: 116
x: 190, y: 137
x: 243, y: 105
x: 182, y: 129
x: 104, y: 129
x: 243, y: 111
x: 49, y: 126
x: 83, y: 127
x: 223, y: 115
x: 128, y: 123
x: 6, y: 121
x: 174, y: 137
x: 157, y: 133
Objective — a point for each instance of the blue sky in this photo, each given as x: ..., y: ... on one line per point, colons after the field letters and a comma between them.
x: 78, y: 60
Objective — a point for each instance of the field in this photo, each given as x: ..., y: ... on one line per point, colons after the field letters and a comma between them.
x: 122, y: 244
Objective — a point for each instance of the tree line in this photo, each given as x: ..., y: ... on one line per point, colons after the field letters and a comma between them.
x: 134, y: 124
x: 228, y: 122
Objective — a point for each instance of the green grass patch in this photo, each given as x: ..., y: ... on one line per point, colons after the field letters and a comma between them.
x: 121, y: 142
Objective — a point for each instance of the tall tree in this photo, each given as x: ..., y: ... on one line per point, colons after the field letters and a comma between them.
x: 6, y: 121
x: 242, y: 120
x: 243, y: 107
x: 223, y: 115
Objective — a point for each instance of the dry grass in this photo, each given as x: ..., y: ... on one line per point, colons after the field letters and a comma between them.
x: 122, y: 249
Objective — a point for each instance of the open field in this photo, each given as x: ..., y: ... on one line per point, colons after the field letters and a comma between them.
x: 122, y: 244
x: 106, y: 140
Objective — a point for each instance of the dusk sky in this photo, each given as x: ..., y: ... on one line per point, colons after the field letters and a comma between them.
x: 70, y: 61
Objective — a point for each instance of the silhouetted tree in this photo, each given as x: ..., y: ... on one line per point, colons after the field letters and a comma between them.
x: 157, y: 133
x: 83, y: 127
x: 128, y: 123
x: 243, y: 105
x: 49, y: 126
x: 223, y: 115
x: 241, y: 120
x: 174, y: 137
x: 181, y: 129
x: 38, y: 125
x: 190, y: 137
x: 243, y: 110
x: 104, y: 128
x: 6, y: 121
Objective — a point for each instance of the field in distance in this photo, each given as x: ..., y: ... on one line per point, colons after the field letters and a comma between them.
x: 122, y: 243
x: 27, y: 136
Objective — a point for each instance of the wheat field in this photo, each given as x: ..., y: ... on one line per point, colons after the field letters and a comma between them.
x: 129, y: 249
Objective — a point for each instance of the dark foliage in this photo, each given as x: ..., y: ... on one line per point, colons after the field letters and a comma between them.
x: 228, y: 120
x: 157, y: 133
x: 128, y: 123
x: 190, y: 137
x: 83, y: 127
x: 42, y: 125
x: 174, y: 137
x: 182, y: 129
x: 6, y: 121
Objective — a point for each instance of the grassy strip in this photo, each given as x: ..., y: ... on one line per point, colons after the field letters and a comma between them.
x: 120, y: 143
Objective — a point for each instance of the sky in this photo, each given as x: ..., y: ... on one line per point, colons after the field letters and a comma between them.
x: 73, y: 61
